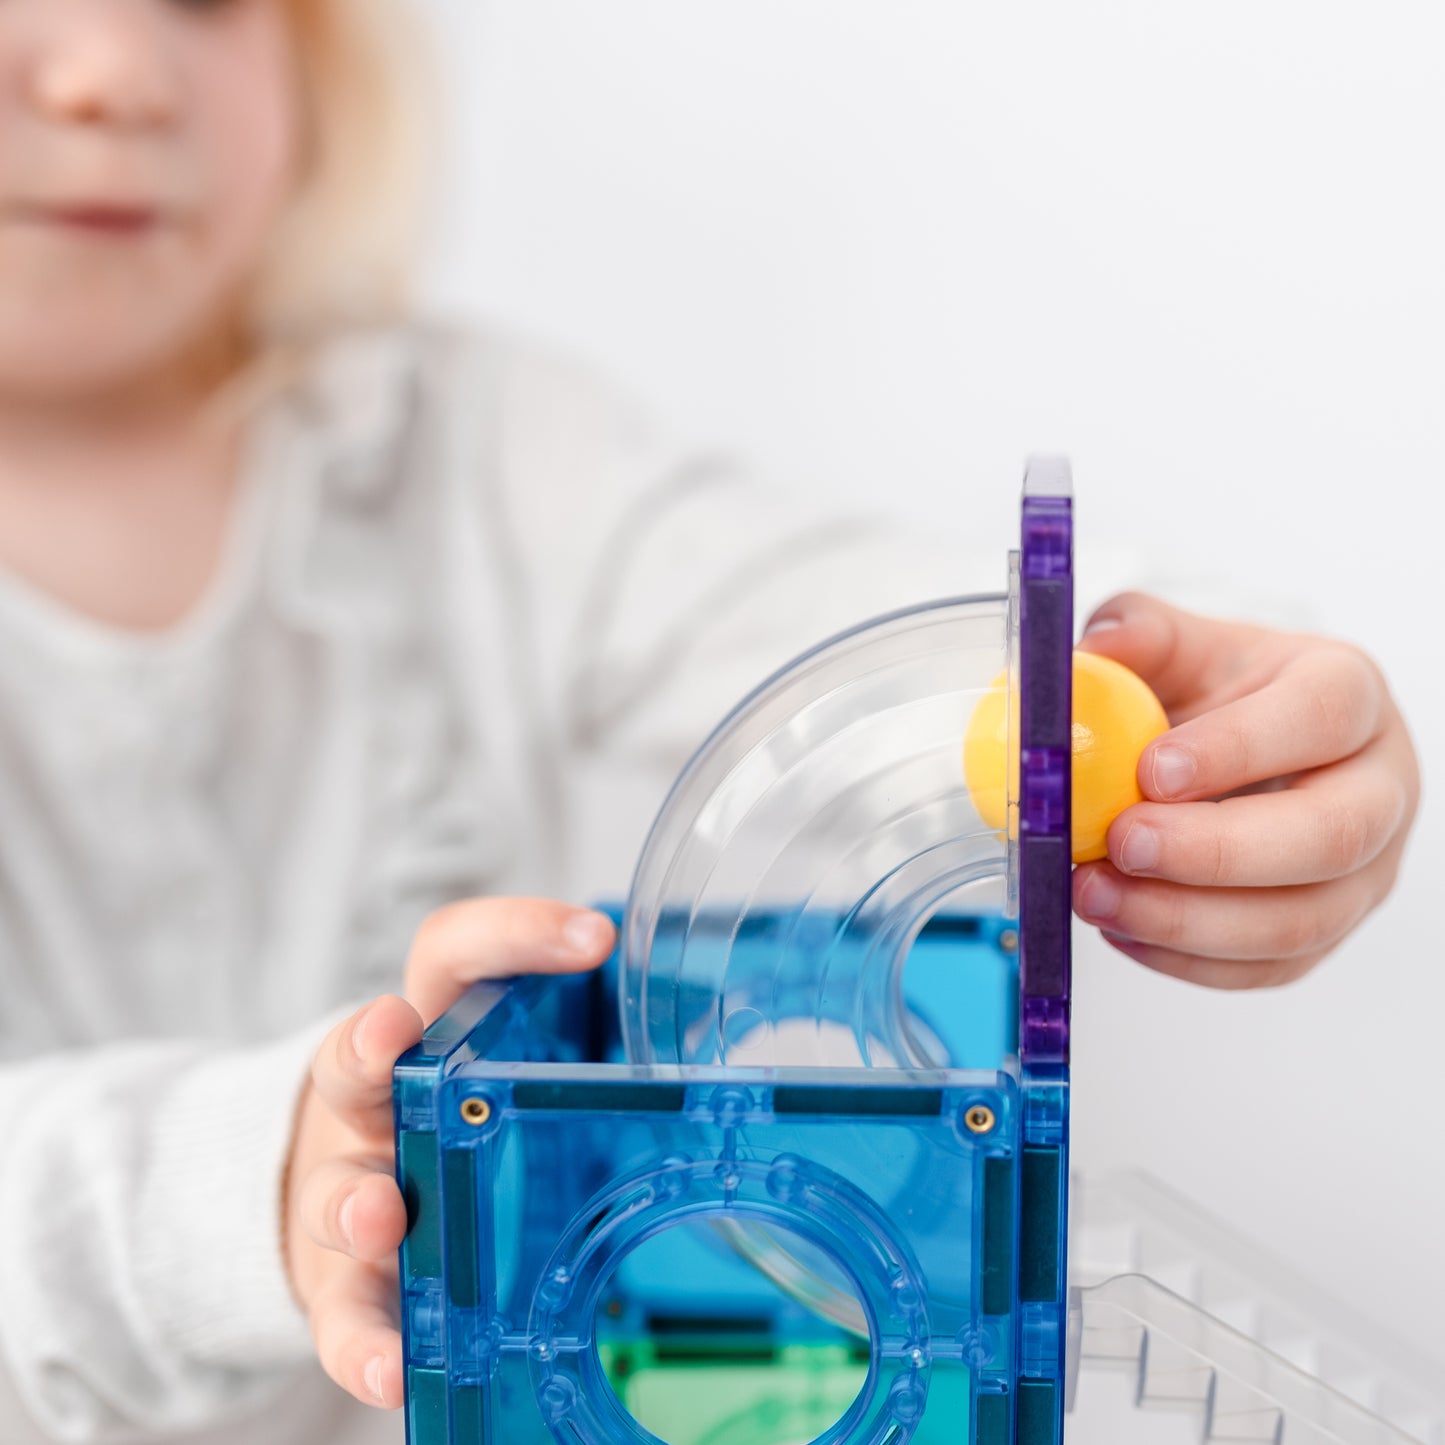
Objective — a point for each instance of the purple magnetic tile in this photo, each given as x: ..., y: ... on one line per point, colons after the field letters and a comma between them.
x: 1050, y: 520
x: 1046, y: 630
x: 1044, y: 804
x: 1044, y: 1029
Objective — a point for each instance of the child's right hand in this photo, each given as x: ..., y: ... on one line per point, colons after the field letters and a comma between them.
x: 343, y: 1212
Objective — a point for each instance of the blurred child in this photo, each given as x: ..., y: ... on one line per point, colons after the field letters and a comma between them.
x: 313, y: 621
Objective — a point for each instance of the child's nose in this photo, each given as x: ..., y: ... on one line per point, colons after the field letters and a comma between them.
x: 104, y: 62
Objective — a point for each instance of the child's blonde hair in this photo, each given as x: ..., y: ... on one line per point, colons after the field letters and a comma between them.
x: 343, y: 251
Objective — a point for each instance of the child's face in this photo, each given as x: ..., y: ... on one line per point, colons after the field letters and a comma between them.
x: 146, y: 150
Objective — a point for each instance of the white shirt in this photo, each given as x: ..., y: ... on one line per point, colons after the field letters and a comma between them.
x: 472, y: 618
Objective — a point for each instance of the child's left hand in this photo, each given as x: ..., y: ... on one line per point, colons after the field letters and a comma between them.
x: 1276, y: 809
x: 344, y: 1213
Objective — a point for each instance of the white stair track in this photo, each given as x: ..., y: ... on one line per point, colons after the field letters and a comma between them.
x: 1131, y: 1226
x: 1106, y: 1412
x: 1185, y: 1362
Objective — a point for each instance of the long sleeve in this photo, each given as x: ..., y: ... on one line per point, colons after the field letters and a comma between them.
x: 141, y: 1282
x: 664, y: 583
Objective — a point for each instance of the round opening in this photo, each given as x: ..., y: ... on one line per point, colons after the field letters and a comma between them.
x: 701, y: 1348
x: 957, y: 989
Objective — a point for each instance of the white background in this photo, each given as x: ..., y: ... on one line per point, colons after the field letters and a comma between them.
x: 890, y: 248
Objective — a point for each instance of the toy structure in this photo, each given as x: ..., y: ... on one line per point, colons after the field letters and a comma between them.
x: 794, y: 1166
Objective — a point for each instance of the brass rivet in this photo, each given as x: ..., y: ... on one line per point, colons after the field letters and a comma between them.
x: 1008, y: 940
x: 979, y: 1119
x: 476, y: 1111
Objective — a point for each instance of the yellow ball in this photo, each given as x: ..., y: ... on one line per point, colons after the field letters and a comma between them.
x: 1116, y: 716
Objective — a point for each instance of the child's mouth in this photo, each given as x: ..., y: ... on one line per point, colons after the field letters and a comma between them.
x: 102, y: 219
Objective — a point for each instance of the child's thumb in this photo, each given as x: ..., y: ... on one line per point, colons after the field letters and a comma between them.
x: 496, y: 938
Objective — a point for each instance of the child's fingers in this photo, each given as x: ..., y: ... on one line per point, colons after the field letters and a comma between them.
x: 354, y: 1326
x: 500, y: 938
x: 1216, y: 972
x: 1178, y: 654
x: 352, y: 1068
x: 1326, y: 826
x: 1326, y: 704
x: 353, y: 1206
x: 1228, y: 923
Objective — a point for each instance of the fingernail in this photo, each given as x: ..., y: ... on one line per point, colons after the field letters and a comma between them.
x: 1139, y: 851
x: 1099, y: 896
x: 587, y: 933
x: 372, y: 1375
x: 1102, y: 624
x: 345, y: 1217
x: 1173, y: 771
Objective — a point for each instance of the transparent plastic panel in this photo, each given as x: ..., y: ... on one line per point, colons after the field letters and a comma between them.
x: 830, y: 808
x: 570, y: 1273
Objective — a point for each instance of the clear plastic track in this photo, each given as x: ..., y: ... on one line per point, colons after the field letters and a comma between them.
x: 830, y: 805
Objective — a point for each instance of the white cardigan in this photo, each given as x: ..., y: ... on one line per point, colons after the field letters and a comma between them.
x: 472, y: 619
